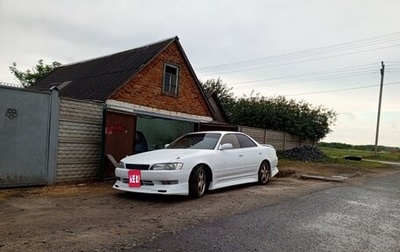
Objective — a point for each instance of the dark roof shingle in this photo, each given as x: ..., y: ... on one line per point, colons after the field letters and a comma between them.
x: 98, y: 78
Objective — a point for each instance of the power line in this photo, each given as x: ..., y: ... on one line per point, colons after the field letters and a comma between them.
x: 298, y: 61
x: 223, y: 68
x: 329, y: 77
x: 318, y: 73
x: 307, y: 80
x: 344, y: 89
x: 321, y: 75
x: 356, y: 43
x: 343, y: 72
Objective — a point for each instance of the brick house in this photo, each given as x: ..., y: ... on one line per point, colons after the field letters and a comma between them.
x: 151, y: 95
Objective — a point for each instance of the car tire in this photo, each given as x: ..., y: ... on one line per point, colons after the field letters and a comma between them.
x: 198, y: 182
x: 264, y: 173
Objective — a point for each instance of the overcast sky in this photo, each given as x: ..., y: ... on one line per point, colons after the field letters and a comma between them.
x: 326, y: 52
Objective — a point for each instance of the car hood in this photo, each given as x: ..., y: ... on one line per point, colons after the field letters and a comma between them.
x: 161, y: 156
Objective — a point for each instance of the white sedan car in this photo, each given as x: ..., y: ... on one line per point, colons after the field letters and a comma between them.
x: 197, y: 162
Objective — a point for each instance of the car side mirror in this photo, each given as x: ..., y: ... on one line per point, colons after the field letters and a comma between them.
x: 226, y: 146
x: 166, y: 146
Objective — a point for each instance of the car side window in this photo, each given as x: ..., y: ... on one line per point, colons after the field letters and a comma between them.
x: 245, y: 142
x: 232, y: 139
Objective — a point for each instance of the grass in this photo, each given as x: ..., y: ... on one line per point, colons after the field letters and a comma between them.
x: 335, y: 162
x: 382, y: 155
x: 330, y: 166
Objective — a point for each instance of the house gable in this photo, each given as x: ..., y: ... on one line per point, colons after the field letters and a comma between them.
x: 146, y: 87
x: 134, y: 77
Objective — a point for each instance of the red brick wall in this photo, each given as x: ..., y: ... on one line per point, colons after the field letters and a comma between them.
x: 146, y: 87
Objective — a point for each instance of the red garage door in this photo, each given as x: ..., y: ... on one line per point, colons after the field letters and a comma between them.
x: 119, y: 138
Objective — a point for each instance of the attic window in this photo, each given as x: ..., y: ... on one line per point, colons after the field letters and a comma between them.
x: 170, y: 84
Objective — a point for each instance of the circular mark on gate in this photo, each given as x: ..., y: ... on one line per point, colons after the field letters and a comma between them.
x: 12, y: 113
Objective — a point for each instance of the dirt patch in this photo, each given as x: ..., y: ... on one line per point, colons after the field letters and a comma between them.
x: 95, y: 217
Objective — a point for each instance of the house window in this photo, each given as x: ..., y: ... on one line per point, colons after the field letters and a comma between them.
x: 170, y: 85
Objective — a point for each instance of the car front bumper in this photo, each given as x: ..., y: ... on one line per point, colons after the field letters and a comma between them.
x: 155, y: 182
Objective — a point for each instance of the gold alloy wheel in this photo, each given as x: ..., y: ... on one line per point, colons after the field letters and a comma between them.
x: 201, y: 183
x: 264, y: 173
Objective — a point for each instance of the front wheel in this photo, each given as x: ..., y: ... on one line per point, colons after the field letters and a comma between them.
x: 197, y: 182
x: 264, y: 173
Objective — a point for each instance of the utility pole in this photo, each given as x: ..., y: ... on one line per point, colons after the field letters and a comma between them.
x: 379, y: 109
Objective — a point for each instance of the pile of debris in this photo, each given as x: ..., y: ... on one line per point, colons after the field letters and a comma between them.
x: 303, y: 153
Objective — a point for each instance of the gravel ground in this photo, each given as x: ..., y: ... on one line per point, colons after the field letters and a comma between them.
x: 95, y: 217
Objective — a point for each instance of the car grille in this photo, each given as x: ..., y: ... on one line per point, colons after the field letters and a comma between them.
x: 143, y: 182
x: 146, y: 182
x: 137, y: 166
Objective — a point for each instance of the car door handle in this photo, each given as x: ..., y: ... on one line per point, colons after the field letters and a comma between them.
x: 240, y: 155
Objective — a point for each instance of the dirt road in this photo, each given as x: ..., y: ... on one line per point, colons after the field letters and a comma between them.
x: 95, y: 217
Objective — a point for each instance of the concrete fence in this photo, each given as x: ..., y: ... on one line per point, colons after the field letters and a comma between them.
x: 280, y: 140
x: 79, y: 140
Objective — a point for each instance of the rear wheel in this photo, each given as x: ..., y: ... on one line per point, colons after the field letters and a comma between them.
x: 198, y: 182
x: 264, y: 173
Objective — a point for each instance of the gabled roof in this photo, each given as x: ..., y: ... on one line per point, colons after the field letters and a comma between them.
x: 97, y: 79
x: 218, y: 111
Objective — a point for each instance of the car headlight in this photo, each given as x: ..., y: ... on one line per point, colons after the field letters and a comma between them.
x: 121, y: 165
x: 167, y: 166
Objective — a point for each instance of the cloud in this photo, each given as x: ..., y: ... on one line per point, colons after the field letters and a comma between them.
x: 349, y: 116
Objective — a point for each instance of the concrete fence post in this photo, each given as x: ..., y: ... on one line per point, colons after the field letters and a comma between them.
x: 265, y: 136
x: 284, y: 141
x: 54, y: 112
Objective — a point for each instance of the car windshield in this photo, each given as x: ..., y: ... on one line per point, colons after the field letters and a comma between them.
x: 206, y: 141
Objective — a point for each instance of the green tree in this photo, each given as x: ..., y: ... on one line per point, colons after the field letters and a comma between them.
x: 276, y: 113
x: 30, y: 77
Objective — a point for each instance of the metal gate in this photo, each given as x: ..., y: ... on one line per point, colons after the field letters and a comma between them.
x: 28, y: 137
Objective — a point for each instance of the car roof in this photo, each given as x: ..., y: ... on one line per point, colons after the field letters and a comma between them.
x: 215, y: 131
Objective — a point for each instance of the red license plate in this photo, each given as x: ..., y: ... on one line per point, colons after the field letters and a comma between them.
x: 134, y: 177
